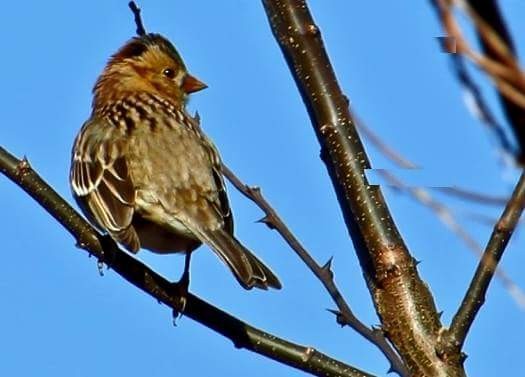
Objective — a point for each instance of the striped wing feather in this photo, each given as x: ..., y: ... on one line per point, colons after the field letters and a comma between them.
x: 101, y: 182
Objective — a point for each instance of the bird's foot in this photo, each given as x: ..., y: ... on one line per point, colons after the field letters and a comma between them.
x: 179, y: 294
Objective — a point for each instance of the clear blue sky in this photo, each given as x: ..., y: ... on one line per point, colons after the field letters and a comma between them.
x: 60, y: 318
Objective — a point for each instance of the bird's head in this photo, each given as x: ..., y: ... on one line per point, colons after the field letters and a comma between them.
x: 149, y: 63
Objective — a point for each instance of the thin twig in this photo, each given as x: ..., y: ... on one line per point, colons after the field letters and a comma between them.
x: 344, y: 314
x: 240, y: 333
x: 482, y: 109
x: 405, y: 163
x: 138, y: 19
x: 472, y: 196
x: 475, y: 295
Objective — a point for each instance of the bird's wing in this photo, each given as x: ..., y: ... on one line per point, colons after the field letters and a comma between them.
x: 101, y: 182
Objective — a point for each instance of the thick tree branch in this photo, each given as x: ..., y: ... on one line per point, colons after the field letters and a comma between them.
x: 475, y: 296
x: 344, y: 314
x: 403, y: 301
x: 240, y: 333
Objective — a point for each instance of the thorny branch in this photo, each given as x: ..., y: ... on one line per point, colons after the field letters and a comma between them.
x: 240, y: 333
x: 344, y: 313
x: 402, y: 300
x: 454, y: 338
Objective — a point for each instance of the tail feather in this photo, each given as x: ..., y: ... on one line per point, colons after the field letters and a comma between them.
x: 247, y: 268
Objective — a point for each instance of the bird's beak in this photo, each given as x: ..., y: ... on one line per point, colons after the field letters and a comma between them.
x: 190, y: 84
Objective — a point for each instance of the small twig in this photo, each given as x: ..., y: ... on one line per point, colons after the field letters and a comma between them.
x: 240, y: 333
x: 472, y: 196
x: 403, y: 162
x: 344, y: 314
x: 475, y: 295
x: 482, y: 109
x: 138, y: 19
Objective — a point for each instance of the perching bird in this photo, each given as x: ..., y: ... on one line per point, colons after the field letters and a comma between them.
x: 143, y: 170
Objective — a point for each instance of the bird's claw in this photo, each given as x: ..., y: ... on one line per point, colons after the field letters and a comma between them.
x: 179, y: 294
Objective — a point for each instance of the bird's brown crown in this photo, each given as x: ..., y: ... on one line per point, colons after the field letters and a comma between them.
x: 149, y: 63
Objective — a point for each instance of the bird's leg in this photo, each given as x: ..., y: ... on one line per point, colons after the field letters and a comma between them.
x: 180, y: 288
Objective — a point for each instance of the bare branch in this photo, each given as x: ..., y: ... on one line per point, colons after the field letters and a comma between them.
x: 240, y: 333
x: 473, y: 196
x: 454, y: 338
x: 344, y: 315
x: 138, y: 19
x: 403, y: 302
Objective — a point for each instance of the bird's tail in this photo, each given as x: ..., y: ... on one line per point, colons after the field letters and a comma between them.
x: 247, y: 268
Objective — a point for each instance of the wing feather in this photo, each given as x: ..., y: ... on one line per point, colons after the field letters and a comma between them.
x: 101, y: 182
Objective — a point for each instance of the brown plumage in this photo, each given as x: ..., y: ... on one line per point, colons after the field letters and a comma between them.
x: 143, y: 170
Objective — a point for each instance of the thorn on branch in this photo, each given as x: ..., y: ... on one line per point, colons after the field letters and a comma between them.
x: 448, y: 44
x: 313, y: 29
x: 339, y: 317
x: 378, y: 330
x: 324, y: 155
x: 327, y: 268
x: 22, y: 167
x: 138, y: 20
x: 254, y: 190
x: 307, y: 355
x: 267, y: 221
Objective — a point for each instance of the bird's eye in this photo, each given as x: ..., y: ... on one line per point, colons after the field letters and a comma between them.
x: 169, y: 73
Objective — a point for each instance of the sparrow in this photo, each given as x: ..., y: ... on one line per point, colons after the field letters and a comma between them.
x: 143, y: 171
